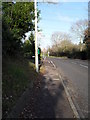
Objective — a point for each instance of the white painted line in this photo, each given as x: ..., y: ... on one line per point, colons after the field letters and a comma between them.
x: 84, y: 66
x: 53, y: 64
x: 81, y: 65
x: 56, y: 79
x: 48, y: 61
x: 70, y: 100
x: 54, y: 75
x: 45, y: 75
x: 74, y: 63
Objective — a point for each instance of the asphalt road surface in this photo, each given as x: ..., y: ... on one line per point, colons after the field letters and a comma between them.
x: 75, y: 71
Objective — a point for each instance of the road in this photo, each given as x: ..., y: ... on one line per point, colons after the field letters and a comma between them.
x: 75, y: 72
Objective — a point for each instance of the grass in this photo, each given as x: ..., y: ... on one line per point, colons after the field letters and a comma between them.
x: 18, y: 74
x: 42, y: 70
x: 58, y: 57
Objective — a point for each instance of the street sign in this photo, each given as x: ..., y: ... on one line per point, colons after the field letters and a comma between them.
x: 39, y: 50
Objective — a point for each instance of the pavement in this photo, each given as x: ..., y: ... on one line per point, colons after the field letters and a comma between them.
x: 53, y: 84
x: 47, y: 98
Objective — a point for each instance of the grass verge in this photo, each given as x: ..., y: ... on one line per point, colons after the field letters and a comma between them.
x: 17, y: 75
x: 65, y: 57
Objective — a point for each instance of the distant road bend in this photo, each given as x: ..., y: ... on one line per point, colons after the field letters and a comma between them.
x: 76, y: 73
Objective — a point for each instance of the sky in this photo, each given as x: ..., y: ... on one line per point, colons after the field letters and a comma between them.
x: 59, y: 18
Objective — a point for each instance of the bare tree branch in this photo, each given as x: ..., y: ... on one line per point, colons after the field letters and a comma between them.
x: 79, y: 28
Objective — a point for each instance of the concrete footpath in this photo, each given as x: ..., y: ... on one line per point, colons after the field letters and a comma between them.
x: 47, y: 98
x: 53, y: 84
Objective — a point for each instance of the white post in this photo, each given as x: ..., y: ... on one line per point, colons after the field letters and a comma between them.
x: 36, y: 48
x: 48, y: 53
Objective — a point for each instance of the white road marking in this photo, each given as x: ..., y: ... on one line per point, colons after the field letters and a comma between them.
x: 45, y: 75
x: 54, y: 75
x: 56, y: 79
x: 53, y: 64
x: 81, y: 65
x: 84, y: 66
x: 48, y: 61
x: 74, y: 63
x: 75, y: 111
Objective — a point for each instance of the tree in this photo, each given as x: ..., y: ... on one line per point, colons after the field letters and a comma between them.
x: 57, y: 37
x: 86, y: 40
x: 87, y: 36
x: 79, y: 27
x: 69, y: 49
x: 19, y: 19
x: 32, y: 43
x: 10, y: 43
x: 29, y: 46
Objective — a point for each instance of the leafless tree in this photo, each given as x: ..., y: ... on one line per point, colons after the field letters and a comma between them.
x: 57, y: 37
x: 78, y: 28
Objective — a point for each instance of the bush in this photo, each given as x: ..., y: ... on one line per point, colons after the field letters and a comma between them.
x: 69, y: 50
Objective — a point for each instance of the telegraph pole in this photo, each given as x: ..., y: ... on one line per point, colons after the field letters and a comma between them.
x: 36, y: 47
